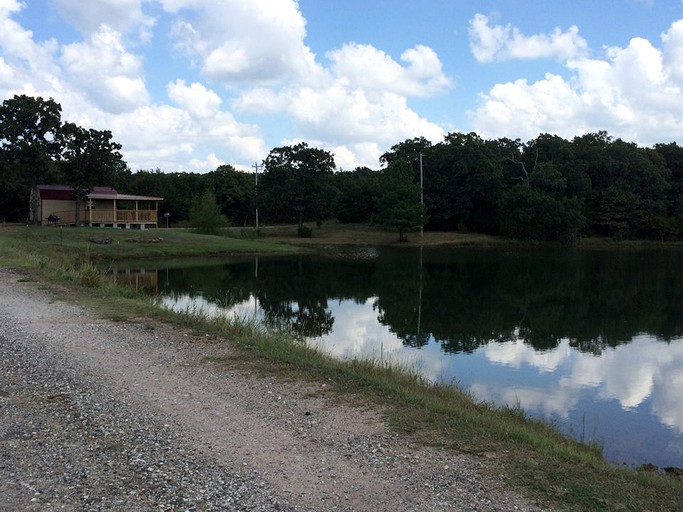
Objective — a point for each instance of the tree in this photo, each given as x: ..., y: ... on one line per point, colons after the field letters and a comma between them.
x: 177, y: 188
x: 205, y: 216
x: 409, y: 151
x: 398, y: 207
x: 29, y: 148
x: 89, y: 158
x: 529, y: 213
x: 235, y: 193
x: 462, y: 183
x: 296, y: 185
x: 358, y: 191
x: 673, y: 156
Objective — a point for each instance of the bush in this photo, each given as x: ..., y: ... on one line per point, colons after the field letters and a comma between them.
x: 88, y: 275
x: 305, y: 232
x: 205, y: 216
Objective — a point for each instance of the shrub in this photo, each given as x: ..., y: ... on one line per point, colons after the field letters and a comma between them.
x: 205, y: 216
x: 305, y: 232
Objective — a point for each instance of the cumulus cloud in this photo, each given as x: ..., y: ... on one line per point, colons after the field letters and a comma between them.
x: 120, y: 15
x: 27, y: 66
x: 100, y: 84
x: 105, y: 71
x: 173, y: 138
x: 366, y: 67
x: 632, y: 92
x: 235, y: 42
x: 362, y: 100
x: 497, y: 42
x: 365, y: 120
x: 195, y: 98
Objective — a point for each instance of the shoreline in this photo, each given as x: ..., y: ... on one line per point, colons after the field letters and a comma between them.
x: 135, y: 416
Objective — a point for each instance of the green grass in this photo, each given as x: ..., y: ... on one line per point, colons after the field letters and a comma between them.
x: 63, y: 243
x: 530, y: 456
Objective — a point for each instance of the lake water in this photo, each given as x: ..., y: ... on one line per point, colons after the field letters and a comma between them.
x: 591, y: 341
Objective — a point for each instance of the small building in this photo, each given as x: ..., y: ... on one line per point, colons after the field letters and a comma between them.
x: 103, y: 206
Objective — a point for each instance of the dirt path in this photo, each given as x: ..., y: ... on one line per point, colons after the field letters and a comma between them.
x: 99, y: 415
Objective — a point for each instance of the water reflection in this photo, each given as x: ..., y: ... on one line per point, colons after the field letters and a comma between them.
x: 591, y: 340
x: 140, y: 278
x: 580, y: 391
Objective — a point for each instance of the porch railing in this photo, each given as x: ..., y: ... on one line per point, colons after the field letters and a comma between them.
x: 68, y: 217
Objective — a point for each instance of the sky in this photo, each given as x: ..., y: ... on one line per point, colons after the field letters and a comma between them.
x: 189, y: 85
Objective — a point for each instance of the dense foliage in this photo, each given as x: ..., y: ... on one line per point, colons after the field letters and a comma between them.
x: 548, y: 188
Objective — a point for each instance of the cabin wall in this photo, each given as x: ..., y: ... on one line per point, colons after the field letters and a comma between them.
x: 65, y: 210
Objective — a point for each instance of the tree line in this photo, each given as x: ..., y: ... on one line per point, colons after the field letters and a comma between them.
x: 545, y: 189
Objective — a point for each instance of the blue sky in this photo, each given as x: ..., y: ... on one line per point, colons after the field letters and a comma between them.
x: 187, y: 85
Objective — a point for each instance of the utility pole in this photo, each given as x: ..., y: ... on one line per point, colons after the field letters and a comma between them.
x: 256, y: 168
x: 422, y: 201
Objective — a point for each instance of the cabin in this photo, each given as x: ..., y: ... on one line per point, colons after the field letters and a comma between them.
x: 103, y: 207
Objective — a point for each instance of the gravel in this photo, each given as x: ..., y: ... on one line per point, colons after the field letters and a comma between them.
x: 130, y: 416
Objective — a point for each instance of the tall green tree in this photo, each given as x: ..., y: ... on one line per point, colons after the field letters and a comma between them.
x: 462, y: 183
x: 399, y: 207
x: 89, y: 158
x: 672, y: 154
x: 297, y: 185
x: 235, y: 193
x: 29, y: 148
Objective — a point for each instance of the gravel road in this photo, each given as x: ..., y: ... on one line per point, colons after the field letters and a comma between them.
x: 129, y: 416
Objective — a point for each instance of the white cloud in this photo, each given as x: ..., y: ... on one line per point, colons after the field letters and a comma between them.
x: 366, y: 67
x: 673, y: 51
x: 174, y: 139
x: 103, y: 70
x: 357, y: 117
x: 519, y: 109
x: 362, y: 101
x: 31, y: 65
x: 497, y: 43
x: 254, y: 55
x: 235, y: 42
x: 196, y: 99
x: 123, y: 16
x: 631, y: 92
x: 211, y: 162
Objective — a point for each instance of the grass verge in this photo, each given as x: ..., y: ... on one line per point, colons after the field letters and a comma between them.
x: 529, y: 455
x: 102, y: 245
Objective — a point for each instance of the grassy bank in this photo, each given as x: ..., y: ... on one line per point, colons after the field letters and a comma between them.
x: 531, y: 456
x: 68, y: 243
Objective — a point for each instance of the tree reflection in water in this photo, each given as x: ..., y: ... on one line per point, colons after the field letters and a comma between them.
x: 567, y: 334
x: 465, y: 298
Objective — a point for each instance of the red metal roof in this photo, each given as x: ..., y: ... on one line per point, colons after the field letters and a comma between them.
x: 66, y: 193
x: 56, y: 192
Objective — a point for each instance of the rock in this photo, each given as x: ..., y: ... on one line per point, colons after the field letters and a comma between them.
x: 100, y: 241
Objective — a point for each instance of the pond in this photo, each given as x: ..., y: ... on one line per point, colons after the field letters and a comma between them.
x: 589, y: 340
